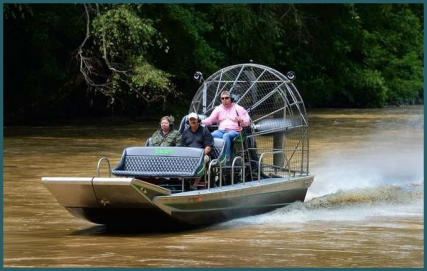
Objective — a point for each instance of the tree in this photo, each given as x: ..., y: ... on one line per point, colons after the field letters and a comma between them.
x: 115, y: 61
x: 73, y: 60
x: 39, y: 80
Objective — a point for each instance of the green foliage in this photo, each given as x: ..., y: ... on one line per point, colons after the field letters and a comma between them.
x: 407, y: 86
x: 38, y: 80
x: 358, y: 55
x: 246, y: 32
x: 145, y: 75
x: 17, y: 11
x: 393, y: 45
x: 143, y: 56
x: 123, y: 39
x: 124, y: 31
x: 190, y: 46
x: 369, y: 88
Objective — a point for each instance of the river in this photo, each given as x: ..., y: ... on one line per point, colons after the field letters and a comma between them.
x: 365, y: 207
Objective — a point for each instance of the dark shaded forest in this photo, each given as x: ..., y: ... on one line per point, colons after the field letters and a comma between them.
x: 136, y: 61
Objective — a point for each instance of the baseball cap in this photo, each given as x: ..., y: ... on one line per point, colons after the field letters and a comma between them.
x: 192, y: 115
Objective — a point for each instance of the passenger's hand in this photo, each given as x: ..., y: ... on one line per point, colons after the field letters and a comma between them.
x: 206, y: 158
x: 239, y: 120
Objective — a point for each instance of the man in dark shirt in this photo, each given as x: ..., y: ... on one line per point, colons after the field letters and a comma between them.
x: 197, y: 136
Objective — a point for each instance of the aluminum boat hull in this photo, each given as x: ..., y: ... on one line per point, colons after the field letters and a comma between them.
x: 133, y: 202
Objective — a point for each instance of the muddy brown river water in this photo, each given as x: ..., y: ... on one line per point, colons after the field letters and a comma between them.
x: 365, y: 207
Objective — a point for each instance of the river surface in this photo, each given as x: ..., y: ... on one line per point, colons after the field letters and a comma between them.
x: 365, y: 207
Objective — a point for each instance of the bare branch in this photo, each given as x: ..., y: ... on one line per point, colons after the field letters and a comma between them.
x: 99, y: 72
x: 286, y: 13
x: 104, y: 47
x: 87, y: 28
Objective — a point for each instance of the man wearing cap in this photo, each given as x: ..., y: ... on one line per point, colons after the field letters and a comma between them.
x: 231, y: 118
x: 196, y: 135
x: 199, y: 137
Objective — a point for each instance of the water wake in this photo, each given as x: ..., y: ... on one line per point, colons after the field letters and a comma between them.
x: 390, y: 156
x: 350, y: 205
x: 369, y: 168
x: 368, y: 174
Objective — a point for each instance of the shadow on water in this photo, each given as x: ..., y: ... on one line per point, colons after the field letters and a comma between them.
x: 120, y: 231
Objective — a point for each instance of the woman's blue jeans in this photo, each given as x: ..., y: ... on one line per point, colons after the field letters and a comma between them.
x: 228, y: 136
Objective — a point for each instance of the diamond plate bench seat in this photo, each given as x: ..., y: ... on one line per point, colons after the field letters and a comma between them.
x: 218, y: 150
x: 171, y: 162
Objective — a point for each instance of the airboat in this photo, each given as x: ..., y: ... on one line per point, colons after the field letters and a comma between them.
x: 150, y: 186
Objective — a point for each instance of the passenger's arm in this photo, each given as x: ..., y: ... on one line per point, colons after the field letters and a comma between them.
x: 208, y: 140
x: 212, y: 118
x: 178, y: 140
x: 183, y: 140
x: 155, y: 139
x: 243, y: 114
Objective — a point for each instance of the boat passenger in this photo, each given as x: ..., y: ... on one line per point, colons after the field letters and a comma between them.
x: 199, y: 137
x: 196, y: 135
x: 166, y: 135
x: 231, y: 118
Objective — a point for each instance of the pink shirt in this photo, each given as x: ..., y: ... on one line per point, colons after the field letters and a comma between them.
x: 226, y: 117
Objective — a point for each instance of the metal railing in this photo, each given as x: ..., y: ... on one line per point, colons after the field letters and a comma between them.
x: 273, y: 152
x: 214, y: 162
x: 99, y: 164
x: 243, y: 169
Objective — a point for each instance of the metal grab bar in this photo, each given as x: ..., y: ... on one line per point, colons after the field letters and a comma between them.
x: 209, y: 172
x: 232, y: 169
x: 99, y: 163
x: 260, y: 159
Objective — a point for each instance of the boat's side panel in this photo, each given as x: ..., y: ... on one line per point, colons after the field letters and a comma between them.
x: 215, y: 211
x: 128, y: 201
x: 72, y: 191
x: 95, y: 192
x: 107, y: 200
x: 223, y: 204
x: 126, y: 192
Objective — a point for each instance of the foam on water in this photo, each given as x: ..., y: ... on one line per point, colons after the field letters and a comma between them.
x: 392, y: 155
x: 350, y: 205
x: 366, y: 170
x: 381, y: 175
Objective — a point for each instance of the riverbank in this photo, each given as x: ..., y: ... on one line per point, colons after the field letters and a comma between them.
x: 149, y: 119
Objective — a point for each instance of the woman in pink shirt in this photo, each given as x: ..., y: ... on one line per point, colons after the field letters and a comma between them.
x: 231, y: 118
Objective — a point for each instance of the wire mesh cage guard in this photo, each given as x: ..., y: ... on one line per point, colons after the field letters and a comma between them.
x: 277, y: 141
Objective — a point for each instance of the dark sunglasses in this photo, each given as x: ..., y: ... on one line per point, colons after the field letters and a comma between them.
x: 225, y: 98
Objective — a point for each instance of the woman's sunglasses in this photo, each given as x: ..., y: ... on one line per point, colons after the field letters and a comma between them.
x: 225, y: 98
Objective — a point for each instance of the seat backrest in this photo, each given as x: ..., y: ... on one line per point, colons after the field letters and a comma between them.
x: 218, y: 150
x: 148, y: 142
x: 183, y: 124
x: 160, y: 162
